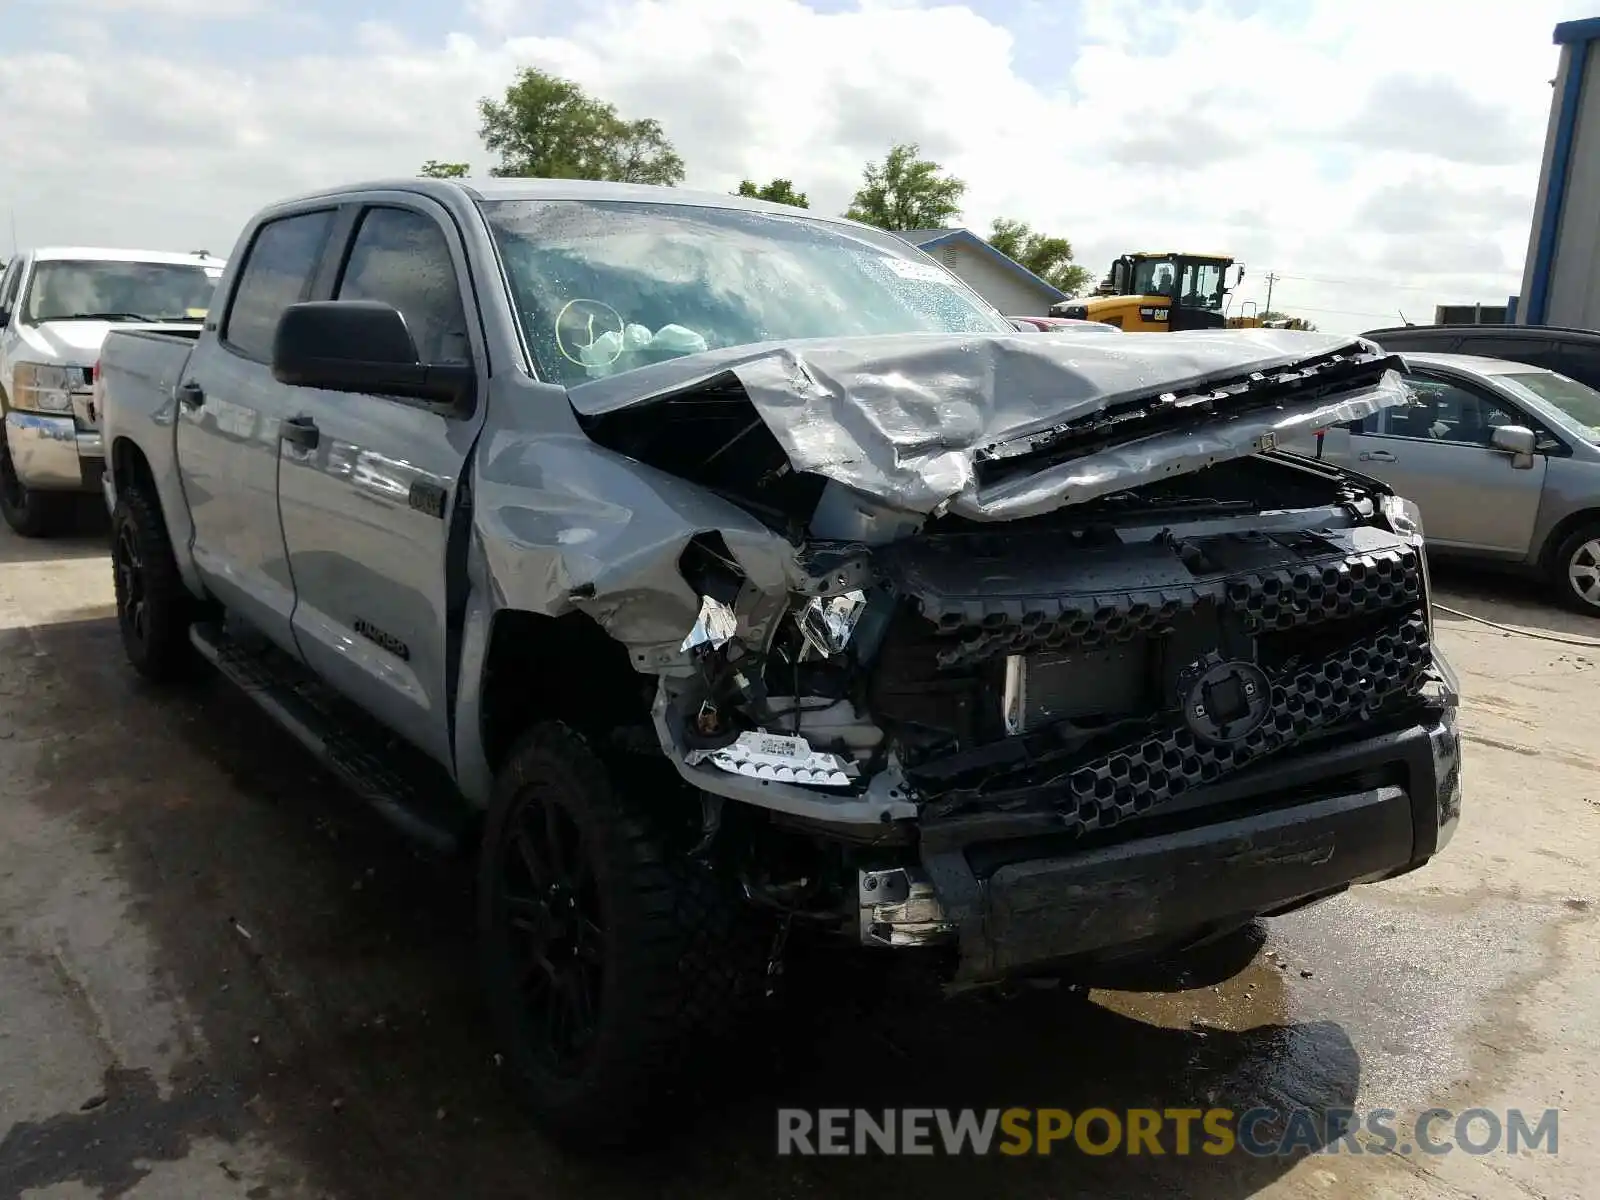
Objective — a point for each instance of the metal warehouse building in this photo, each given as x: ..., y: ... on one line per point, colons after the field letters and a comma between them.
x: 1561, y: 278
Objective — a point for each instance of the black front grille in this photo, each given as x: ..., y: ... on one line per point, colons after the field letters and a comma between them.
x: 1142, y: 776
x: 1331, y: 585
x: 1119, y: 652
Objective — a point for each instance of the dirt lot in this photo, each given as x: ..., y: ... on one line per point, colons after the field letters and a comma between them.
x: 219, y: 978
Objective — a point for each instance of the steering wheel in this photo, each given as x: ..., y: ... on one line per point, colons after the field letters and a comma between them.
x: 581, y: 323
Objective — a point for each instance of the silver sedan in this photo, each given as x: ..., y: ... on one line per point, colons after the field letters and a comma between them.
x: 1502, y: 459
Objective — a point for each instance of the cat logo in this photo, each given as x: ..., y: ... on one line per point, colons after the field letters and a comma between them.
x: 1149, y: 312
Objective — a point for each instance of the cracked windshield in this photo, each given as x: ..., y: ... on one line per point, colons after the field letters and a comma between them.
x: 120, y: 291
x: 605, y: 288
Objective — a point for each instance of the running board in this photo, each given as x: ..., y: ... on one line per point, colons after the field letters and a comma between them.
x: 404, y: 786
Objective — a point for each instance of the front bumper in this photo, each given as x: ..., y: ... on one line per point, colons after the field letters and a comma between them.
x: 1018, y: 898
x: 51, y: 454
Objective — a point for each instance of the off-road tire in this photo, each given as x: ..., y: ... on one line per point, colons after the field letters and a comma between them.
x: 681, y: 956
x: 154, y: 608
x: 1581, y: 549
x: 30, y: 512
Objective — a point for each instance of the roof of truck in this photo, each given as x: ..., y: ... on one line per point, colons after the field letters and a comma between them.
x: 492, y: 188
x: 106, y: 254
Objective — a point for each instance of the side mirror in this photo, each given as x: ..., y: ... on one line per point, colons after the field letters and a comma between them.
x: 1239, y: 278
x: 1517, y: 441
x: 363, y: 346
x: 5, y: 317
x: 1119, y: 277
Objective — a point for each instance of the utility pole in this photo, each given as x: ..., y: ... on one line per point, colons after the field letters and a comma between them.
x: 1271, y: 279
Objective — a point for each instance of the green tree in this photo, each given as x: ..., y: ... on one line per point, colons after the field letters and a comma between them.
x: 435, y: 169
x: 550, y: 127
x: 1050, y: 258
x: 906, y: 192
x: 779, y: 191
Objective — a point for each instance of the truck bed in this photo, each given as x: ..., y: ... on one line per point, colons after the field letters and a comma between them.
x: 134, y: 384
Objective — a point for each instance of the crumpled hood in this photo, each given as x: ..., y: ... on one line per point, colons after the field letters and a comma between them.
x: 907, y: 418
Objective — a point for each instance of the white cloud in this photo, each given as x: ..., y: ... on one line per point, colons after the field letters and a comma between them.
x: 188, y: 9
x: 1393, y: 145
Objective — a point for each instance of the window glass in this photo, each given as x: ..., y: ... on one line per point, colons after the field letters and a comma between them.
x: 603, y: 287
x: 401, y: 258
x: 1513, y: 349
x: 88, y: 290
x: 1152, y: 277
x: 1201, y: 286
x: 1446, y: 412
x: 8, y: 284
x: 1577, y: 400
x: 279, y: 266
x: 1581, y: 363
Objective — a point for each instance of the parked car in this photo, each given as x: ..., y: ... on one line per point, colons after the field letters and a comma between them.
x: 1503, y: 460
x: 56, y: 305
x: 1062, y: 325
x: 717, y: 569
x: 1571, y: 352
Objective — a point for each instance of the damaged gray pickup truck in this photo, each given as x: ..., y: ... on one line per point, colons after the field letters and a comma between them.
x: 715, y: 569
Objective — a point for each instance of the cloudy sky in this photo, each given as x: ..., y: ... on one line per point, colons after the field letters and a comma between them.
x: 1377, y: 156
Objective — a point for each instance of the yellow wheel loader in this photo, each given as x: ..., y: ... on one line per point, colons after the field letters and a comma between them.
x: 1160, y: 292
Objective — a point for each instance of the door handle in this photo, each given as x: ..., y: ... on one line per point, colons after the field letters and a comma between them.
x: 300, y: 431
x: 1375, y: 456
x: 191, y: 395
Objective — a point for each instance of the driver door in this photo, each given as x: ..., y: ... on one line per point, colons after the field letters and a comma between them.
x: 1199, y: 285
x: 1437, y: 453
x: 368, y: 485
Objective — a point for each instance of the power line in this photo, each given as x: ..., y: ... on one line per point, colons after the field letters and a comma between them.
x: 1343, y: 312
x: 1366, y: 283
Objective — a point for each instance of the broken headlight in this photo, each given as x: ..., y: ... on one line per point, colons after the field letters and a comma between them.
x: 1404, y: 517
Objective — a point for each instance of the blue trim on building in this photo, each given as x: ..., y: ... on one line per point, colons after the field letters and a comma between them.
x: 1569, y: 33
x: 1005, y: 260
x: 1560, y: 163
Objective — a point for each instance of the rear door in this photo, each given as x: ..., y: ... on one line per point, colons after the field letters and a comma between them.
x: 368, y: 484
x: 229, y: 411
x: 1437, y: 453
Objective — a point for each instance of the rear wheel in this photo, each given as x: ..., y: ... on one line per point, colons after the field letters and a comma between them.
x: 30, y: 512
x: 1576, y: 570
x: 608, y: 954
x: 154, y: 608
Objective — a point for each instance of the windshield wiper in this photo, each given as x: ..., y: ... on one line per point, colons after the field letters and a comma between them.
x: 105, y: 316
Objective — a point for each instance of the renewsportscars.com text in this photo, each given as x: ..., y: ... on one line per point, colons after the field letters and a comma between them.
x: 1260, y: 1132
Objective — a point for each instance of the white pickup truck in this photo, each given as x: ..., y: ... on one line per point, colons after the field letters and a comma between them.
x: 56, y: 306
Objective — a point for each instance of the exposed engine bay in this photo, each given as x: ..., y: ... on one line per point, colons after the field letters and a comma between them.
x: 974, y: 637
x: 1032, y: 593
x: 1101, y: 661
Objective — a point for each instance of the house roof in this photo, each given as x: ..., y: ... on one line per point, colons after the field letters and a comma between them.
x: 931, y: 239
